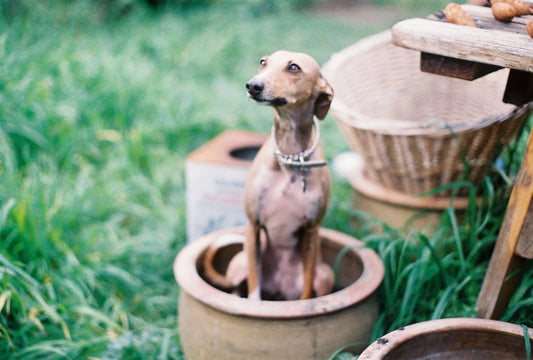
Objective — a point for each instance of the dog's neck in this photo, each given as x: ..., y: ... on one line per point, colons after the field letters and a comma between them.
x: 293, y: 132
x: 296, y: 150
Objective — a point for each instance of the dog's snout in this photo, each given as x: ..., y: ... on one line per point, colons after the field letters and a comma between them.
x: 255, y: 88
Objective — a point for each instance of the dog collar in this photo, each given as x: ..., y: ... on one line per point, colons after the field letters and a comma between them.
x: 300, y: 161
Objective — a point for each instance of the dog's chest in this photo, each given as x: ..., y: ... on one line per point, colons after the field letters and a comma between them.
x: 279, y: 194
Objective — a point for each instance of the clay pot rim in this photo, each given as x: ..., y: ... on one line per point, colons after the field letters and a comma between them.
x: 387, y: 343
x: 191, y: 282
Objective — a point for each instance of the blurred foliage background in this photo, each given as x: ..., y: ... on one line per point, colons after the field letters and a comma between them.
x: 100, y: 103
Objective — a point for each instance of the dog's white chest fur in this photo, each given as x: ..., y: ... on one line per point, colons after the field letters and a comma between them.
x: 280, y: 197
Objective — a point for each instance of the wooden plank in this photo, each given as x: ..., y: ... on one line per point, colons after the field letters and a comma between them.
x: 457, y: 68
x: 498, y: 288
x: 524, y: 248
x: 496, y: 47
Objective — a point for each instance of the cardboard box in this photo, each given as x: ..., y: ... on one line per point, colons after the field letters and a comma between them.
x: 215, y: 176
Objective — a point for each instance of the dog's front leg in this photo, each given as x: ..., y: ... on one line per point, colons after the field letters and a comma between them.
x: 253, y: 253
x: 310, y: 242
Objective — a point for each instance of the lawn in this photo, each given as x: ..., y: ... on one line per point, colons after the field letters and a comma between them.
x: 100, y: 103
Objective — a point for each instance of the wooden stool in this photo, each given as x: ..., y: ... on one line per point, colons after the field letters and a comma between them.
x: 468, y: 53
x: 514, y: 244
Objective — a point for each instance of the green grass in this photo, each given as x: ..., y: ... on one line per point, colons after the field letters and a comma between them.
x: 97, y: 113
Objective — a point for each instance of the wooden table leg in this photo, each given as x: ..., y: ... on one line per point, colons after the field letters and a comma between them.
x: 519, y: 88
x: 498, y: 287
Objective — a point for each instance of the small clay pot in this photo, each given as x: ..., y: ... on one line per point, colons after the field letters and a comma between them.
x: 396, y: 208
x: 458, y: 339
x: 214, y: 324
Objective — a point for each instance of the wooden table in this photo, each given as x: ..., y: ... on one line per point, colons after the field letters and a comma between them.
x: 469, y: 53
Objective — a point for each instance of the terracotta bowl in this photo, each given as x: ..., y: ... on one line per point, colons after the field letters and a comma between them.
x: 458, y: 339
x: 216, y: 325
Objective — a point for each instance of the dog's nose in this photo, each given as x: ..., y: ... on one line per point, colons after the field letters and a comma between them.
x: 255, y: 88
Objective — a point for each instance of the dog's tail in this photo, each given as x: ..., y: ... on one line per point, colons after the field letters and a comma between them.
x: 213, y: 274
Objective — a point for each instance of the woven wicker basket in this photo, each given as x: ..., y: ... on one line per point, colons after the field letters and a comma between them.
x: 411, y: 128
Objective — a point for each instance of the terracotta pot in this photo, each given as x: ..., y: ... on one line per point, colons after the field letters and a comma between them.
x: 396, y: 208
x: 458, y: 339
x: 216, y: 325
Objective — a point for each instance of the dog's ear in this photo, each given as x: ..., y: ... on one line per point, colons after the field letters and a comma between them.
x: 325, y: 95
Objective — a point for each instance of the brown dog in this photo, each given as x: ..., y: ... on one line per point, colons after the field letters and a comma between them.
x: 287, y: 188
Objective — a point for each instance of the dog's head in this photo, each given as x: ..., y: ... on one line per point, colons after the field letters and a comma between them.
x: 291, y: 80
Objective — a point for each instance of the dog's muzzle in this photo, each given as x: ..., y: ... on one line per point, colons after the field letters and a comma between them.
x: 256, y: 92
x: 255, y: 88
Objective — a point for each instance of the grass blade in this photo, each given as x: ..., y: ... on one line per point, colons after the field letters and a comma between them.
x: 527, y: 341
x: 456, y: 234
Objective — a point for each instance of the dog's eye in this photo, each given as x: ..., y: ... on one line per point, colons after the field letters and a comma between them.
x: 262, y: 62
x: 293, y: 68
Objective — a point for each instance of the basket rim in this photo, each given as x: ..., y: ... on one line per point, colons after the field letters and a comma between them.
x: 395, y: 127
x: 389, y: 126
